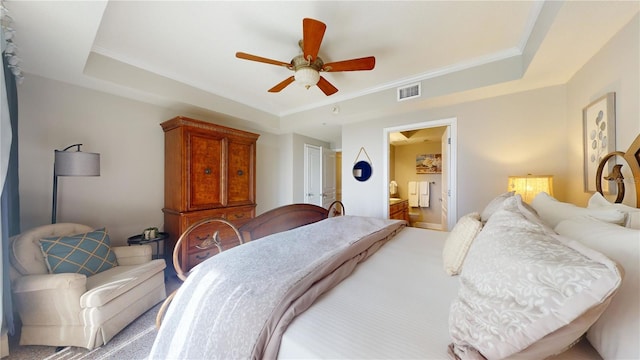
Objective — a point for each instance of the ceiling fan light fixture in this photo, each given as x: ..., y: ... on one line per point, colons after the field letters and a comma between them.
x: 307, y: 76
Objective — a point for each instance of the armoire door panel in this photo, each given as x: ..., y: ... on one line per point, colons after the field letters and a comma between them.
x: 207, y: 164
x: 240, y: 185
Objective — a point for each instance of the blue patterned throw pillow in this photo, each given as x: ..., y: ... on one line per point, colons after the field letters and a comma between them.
x: 88, y: 253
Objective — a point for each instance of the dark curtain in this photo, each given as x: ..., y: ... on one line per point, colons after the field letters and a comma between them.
x: 9, y: 200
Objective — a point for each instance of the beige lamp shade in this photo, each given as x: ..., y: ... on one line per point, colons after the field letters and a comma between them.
x: 531, y: 185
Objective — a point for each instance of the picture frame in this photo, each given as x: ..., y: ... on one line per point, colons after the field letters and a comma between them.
x: 429, y: 164
x: 599, y: 139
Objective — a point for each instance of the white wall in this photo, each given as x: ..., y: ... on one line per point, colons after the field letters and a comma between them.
x: 128, y: 196
x: 616, y: 67
x: 538, y: 132
x: 508, y: 135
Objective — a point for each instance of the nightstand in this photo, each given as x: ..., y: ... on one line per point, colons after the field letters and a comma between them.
x: 140, y: 240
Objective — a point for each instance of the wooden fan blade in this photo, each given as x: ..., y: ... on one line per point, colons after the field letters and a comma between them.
x: 241, y: 55
x: 365, y: 63
x: 283, y: 84
x: 326, y: 87
x: 312, y: 34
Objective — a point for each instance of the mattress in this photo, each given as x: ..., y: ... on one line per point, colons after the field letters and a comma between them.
x: 394, y: 305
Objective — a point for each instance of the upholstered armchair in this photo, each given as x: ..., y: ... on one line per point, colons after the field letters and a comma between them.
x: 62, y: 302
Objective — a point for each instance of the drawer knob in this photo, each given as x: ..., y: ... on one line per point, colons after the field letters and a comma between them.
x: 207, y: 171
x: 240, y: 172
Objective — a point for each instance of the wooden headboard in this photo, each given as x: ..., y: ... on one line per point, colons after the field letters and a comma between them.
x: 632, y: 157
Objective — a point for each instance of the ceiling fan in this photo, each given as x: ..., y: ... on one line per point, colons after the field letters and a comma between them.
x: 308, y: 65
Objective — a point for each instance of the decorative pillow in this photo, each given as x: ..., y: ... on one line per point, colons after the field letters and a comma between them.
x: 459, y: 241
x: 615, y: 335
x: 494, y: 205
x: 597, y: 201
x: 525, y: 291
x: 88, y: 253
x: 553, y: 211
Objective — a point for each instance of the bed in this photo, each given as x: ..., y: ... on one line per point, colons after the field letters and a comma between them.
x: 513, y: 280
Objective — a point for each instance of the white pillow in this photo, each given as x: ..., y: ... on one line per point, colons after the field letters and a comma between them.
x: 494, y: 205
x: 616, y: 334
x: 525, y: 291
x: 552, y: 211
x: 597, y: 201
x: 459, y: 241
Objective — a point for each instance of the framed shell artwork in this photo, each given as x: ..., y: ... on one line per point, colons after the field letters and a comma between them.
x: 599, y: 123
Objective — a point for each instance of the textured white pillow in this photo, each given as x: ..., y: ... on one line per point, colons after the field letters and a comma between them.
x: 494, y: 205
x: 552, y: 211
x: 525, y: 291
x: 597, y: 201
x: 459, y: 241
x: 616, y: 334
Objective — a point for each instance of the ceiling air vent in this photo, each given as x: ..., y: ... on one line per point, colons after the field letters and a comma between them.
x: 409, y: 92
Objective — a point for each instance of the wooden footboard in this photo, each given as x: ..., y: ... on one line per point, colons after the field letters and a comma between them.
x: 282, y: 219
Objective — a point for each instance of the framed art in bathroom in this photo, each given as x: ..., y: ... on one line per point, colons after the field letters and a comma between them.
x: 429, y: 164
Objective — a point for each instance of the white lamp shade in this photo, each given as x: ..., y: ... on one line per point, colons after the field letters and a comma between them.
x: 531, y: 185
x: 307, y: 76
x: 76, y: 163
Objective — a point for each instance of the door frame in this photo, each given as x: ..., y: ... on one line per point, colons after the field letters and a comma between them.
x: 452, y: 217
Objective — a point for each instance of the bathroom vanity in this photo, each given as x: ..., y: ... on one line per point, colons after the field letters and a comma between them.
x: 398, y: 209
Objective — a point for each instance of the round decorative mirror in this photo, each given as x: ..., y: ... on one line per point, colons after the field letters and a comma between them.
x: 362, y: 170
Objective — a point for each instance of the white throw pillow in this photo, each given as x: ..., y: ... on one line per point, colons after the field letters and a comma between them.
x: 459, y: 241
x: 494, y: 205
x: 552, y: 211
x: 597, y: 201
x: 527, y: 292
x: 616, y: 334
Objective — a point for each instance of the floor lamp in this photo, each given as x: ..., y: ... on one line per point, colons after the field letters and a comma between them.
x: 72, y: 163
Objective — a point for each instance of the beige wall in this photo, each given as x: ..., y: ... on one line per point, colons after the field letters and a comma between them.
x: 496, y: 137
x: 537, y: 131
x: 128, y: 195
x: 615, y: 68
x: 405, y: 171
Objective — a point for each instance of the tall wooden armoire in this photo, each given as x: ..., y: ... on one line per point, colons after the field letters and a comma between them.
x: 210, y: 171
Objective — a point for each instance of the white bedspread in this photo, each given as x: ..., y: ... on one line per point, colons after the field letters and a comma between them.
x: 237, y: 304
x: 385, y: 309
x: 395, y: 305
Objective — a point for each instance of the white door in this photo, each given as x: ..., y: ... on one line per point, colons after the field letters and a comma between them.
x: 444, y: 196
x: 328, y: 177
x: 313, y: 174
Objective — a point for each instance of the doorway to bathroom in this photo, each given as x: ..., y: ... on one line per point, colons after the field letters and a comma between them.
x: 420, y: 170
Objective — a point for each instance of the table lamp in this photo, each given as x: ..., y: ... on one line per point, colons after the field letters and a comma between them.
x: 530, y: 185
